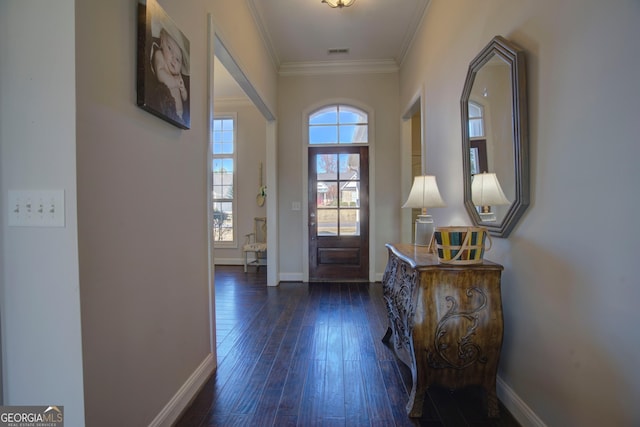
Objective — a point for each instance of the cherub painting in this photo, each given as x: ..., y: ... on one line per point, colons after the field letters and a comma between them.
x: 163, y: 66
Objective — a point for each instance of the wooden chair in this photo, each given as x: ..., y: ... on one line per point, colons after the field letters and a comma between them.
x: 256, y: 243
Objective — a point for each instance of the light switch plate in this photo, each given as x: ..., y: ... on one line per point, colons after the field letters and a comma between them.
x: 36, y: 208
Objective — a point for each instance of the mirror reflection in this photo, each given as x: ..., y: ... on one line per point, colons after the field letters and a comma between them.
x: 494, y: 138
x: 491, y: 140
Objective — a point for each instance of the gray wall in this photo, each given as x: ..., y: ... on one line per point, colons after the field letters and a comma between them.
x: 570, y: 281
x: 142, y: 220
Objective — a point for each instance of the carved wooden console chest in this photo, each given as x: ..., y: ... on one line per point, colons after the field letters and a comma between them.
x: 445, y: 322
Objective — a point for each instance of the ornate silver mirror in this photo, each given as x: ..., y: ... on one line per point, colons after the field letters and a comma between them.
x: 495, y: 154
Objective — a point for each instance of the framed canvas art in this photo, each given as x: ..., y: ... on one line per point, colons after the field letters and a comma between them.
x: 163, y: 66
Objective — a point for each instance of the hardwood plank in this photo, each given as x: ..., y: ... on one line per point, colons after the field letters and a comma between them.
x: 311, y: 402
x: 397, y: 393
x: 320, y: 334
x: 266, y: 408
x: 355, y: 400
x: 286, y: 421
x: 334, y: 385
x: 296, y: 376
x: 376, y: 393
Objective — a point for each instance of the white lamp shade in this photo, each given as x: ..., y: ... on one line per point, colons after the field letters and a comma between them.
x: 424, y: 193
x: 486, y: 190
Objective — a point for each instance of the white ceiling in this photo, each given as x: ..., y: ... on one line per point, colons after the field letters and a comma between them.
x: 303, y: 30
x: 299, y: 34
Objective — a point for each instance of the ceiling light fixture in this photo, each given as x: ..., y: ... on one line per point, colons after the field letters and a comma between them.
x: 339, y: 3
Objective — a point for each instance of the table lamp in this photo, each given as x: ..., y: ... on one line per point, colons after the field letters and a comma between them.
x: 424, y: 194
x: 486, y: 192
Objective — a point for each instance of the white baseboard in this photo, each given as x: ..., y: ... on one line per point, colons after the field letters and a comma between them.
x: 518, y: 408
x: 290, y: 277
x: 297, y: 277
x: 228, y: 261
x: 185, y: 394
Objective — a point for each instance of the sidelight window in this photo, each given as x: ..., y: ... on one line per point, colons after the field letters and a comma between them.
x: 224, y: 178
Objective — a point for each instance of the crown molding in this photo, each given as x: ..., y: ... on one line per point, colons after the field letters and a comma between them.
x: 412, y: 31
x: 264, y: 34
x: 338, y: 67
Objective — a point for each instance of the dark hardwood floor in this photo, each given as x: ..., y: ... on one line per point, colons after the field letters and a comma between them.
x: 310, y: 354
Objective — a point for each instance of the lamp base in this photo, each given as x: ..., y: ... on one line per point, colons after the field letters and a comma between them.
x: 487, y: 216
x: 423, y: 230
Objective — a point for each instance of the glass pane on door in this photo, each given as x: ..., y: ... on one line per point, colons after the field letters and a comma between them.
x: 350, y: 195
x: 349, y: 166
x: 327, y: 222
x: 349, y: 222
x: 327, y: 194
x: 326, y: 167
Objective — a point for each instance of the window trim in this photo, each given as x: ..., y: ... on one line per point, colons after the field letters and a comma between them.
x: 234, y: 243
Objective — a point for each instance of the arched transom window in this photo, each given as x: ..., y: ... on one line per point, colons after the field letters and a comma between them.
x: 338, y: 124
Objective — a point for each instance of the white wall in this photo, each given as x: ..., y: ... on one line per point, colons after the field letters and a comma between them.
x: 236, y: 28
x: 299, y: 93
x: 39, y: 295
x: 570, y: 283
